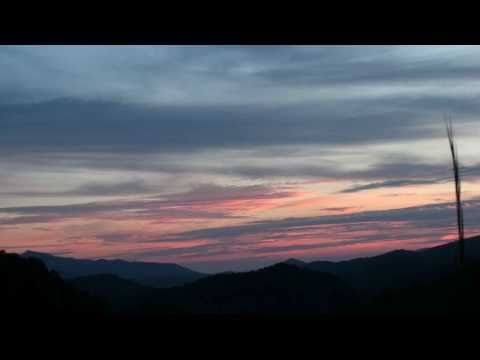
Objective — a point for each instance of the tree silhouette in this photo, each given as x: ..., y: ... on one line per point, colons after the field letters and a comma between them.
x: 458, y: 192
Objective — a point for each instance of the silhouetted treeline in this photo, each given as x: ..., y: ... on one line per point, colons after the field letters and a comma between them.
x: 279, y: 291
x: 285, y: 291
x: 454, y: 296
x: 28, y: 289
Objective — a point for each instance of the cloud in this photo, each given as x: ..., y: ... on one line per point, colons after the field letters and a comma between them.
x: 340, y: 208
x: 222, y: 74
x: 248, y: 245
x: 164, y: 123
x: 72, y: 125
x: 202, y: 202
x: 327, y: 72
x: 413, y: 169
x: 439, y: 215
x: 386, y: 184
x: 134, y: 187
x: 101, y: 189
x: 211, y: 193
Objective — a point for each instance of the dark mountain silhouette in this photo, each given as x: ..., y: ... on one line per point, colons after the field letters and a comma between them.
x: 145, y: 273
x: 28, y: 289
x: 295, y: 262
x: 120, y: 294
x: 278, y: 289
x: 291, y: 286
x: 405, y: 288
x: 399, y: 268
x: 454, y: 296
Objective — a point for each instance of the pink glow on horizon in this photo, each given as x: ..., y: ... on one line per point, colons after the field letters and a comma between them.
x: 149, y: 233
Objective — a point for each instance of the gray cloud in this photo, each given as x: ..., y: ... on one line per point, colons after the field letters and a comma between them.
x: 176, y: 111
x: 386, y: 184
x: 395, y: 170
x: 124, y: 188
x: 441, y: 215
x: 192, y: 204
x: 313, y: 72
x: 71, y: 125
x: 340, y: 208
x: 134, y: 187
x: 97, y: 116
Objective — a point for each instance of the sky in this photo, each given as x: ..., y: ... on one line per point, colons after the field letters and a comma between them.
x: 235, y: 157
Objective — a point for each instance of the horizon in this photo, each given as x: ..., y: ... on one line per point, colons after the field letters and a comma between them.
x: 245, y: 267
x: 235, y: 157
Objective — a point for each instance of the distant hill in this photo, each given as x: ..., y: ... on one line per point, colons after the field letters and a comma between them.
x: 278, y: 289
x: 29, y: 289
x: 396, y: 284
x: 145, y: 273
x: 454, y: 296
x: 399, y: 268
x: 295, y: 262
x: 120, y: 294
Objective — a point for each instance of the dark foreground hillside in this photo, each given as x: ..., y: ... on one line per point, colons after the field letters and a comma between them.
x: 28, y: 289
x: 281, y: 291
x: 452, y: 296
x: 276, y: 290
x: 121, y: 295
x: 399, y: 269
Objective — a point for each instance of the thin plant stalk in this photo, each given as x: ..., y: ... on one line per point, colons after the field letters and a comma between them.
x: 458, y: 193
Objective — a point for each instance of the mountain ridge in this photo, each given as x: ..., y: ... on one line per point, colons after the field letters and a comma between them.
x: 275, y: 289
x: 145, y: 273
x: 376, y: 273
x: 399, y: 268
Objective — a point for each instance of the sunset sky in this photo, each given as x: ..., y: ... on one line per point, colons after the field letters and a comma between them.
x: 234, y: 157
